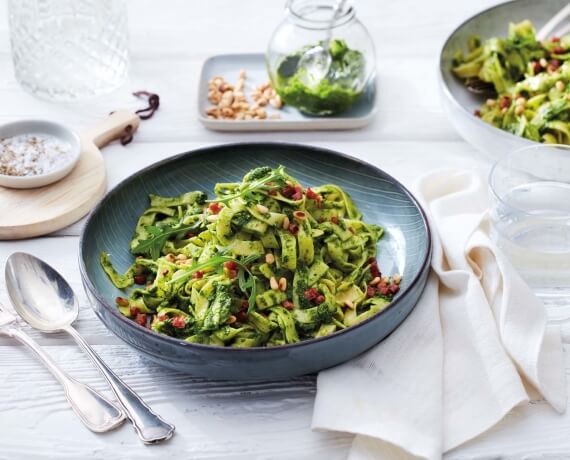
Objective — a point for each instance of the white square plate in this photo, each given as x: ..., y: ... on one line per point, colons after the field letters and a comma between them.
x: 228, y: 67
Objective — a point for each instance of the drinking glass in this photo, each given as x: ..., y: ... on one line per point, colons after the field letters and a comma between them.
x: 530, y: 216
x: 69, y: 49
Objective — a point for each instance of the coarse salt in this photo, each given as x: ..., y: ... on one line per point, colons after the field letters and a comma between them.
x: 33, y: 154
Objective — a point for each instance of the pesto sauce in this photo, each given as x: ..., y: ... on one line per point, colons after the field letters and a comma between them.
x: 334, y: 93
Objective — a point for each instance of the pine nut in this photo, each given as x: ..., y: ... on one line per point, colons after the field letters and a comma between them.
x: 560, y: 86
x: 543, y: 62
x: 397, y: 278
x: 273, y: 283
x: 286, y: 223
x: 262, y: 209
x: 269, y: 258
x: 276, y: 102
x: 282, y: 284
x: 349, y: 304
x: 182, y: 257
x: 170, y: 257
x: 491, y: 102
x: 375, y: 281
x: 121, y: 301
x: 520, y: 101
x: 519, y: 110
x: 231, y: 319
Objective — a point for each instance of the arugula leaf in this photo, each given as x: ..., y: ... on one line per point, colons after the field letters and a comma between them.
x: 213, y: 262
x: 158, y: 237
x: 249, y: 285
x: 252, y: 294
x: 242, y: 282
x: 277, y: 174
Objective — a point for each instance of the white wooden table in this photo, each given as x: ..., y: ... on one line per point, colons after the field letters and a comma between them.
x: 410, y: 135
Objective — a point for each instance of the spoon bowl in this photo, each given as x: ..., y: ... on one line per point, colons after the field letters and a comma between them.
x: 317, y: 63
x: 39, y: 294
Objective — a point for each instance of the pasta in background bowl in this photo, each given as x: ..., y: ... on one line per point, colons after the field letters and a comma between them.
x: 461, y: 104
x: 404, y: 249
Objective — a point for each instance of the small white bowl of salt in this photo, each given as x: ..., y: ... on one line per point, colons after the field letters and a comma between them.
x: 34, y: 153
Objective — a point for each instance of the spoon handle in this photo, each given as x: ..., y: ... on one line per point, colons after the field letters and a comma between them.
x: 96, y: 412
x: 150, y: 427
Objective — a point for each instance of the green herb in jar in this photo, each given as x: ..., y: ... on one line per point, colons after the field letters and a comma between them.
x: 332, y: 94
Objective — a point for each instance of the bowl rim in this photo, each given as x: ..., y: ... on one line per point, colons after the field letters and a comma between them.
x: 38, y: 126
x: 278, y: 348
x: 447, y: 92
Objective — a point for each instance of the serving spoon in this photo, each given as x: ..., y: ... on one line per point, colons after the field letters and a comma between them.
x: 317, y: 60
x: 43, y: 298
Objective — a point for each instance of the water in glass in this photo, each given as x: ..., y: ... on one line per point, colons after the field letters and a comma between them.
x: 531, y: 221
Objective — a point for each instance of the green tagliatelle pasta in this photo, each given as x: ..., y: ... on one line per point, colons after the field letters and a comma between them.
x: 265, y: 263
x: 530, y: 78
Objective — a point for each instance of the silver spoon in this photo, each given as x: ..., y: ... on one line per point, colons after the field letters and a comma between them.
x: 97, y: 414
x: 46, y: 302
x: 317, y: 60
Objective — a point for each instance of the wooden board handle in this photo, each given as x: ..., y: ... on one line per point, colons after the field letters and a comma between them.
x: 115, y: 126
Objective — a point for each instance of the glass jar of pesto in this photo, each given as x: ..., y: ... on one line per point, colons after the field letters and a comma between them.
x: 345, y: 67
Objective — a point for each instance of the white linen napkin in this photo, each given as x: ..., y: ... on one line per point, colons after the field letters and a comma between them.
x: 476, y: 342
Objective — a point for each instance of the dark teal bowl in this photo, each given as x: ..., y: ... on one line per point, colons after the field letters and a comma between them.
x: 405, y: 248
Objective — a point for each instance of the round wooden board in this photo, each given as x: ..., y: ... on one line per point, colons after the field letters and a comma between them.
x: 34, y: 212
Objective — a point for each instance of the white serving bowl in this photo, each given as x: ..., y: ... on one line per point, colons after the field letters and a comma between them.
x: 458, y: 103
x: 51, y: 128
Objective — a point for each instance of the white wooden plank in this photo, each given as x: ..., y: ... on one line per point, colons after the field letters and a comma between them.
x: 405, y: 109
x: 179, y: 28
x: 213, y: 420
